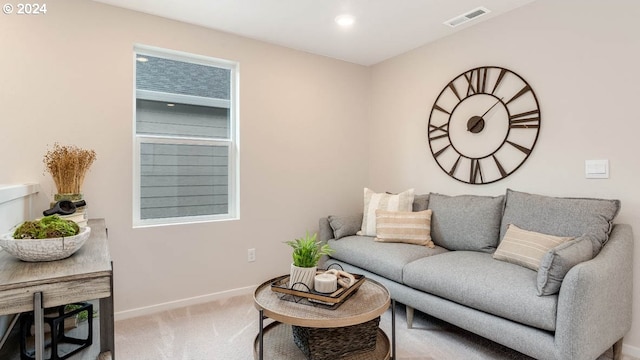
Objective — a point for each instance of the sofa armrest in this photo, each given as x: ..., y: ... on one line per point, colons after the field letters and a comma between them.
x: 595, y: 299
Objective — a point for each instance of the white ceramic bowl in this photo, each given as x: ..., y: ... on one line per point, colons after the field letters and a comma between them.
x: 44, y: 249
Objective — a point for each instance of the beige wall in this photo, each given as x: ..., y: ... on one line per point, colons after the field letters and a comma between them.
x: 67, y: 76
x: 581, y: 58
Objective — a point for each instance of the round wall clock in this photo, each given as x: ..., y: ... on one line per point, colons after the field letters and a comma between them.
x: 483, y: 125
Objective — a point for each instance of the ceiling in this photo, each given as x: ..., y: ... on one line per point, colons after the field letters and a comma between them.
x: 382, y: 29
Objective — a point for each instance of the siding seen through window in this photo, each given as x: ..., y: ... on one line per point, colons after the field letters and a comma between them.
x: 184, y: 139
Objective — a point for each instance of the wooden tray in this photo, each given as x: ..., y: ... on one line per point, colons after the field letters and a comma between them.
x: 280, y: 285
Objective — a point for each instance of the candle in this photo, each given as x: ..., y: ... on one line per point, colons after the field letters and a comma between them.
x: 325, y: 283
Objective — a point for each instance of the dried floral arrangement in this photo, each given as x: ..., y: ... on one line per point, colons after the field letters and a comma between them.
x: 68, y: 165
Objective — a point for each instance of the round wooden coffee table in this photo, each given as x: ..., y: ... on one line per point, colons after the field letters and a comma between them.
x: 275, y: 341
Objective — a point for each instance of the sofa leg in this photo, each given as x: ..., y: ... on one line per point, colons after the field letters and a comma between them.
x: 409, y: 317
x: 617, y: 350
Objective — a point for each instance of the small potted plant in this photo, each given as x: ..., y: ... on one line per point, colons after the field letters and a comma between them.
x: 307, y: 251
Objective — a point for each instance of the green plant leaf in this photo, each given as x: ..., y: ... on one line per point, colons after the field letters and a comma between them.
x: 307, y: 251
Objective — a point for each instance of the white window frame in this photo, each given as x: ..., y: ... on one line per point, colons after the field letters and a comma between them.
x: 232, y: 142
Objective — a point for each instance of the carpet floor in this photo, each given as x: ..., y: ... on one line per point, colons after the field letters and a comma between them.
x: 226, y: 330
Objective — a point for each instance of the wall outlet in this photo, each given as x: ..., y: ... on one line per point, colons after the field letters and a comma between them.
x: 251, y: 255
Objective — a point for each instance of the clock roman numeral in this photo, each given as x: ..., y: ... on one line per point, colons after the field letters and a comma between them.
x: 520, y: 147
x: 475, y: 175
x: 455, y: 165
x: 470, y: 89
x: 442, y: 128
x: 481, y: 79
x: 522, y: 91
x: 502, y: 73
x: 525, y: 120
x: 500, y: 167
x: 435, y: 106
x: 439, y: 152
x: 455, y: 91
x: 477, y: 80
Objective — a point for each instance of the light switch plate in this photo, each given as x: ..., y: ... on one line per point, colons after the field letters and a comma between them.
x: 596, y: 169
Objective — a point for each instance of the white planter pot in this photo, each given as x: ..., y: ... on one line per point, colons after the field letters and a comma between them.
x: 301, y: 275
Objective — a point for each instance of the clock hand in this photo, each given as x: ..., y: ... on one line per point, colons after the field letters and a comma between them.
x: 476, y: 123
x: 485, y: 113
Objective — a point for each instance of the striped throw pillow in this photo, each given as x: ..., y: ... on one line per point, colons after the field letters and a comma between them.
x: 383, y: 201
x: 526, y: 248
x: 404, y: 226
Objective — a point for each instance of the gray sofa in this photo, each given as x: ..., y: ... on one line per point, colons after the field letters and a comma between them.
x: 459, y: 280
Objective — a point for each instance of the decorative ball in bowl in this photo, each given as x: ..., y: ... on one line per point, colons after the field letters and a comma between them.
x: 51, y: 249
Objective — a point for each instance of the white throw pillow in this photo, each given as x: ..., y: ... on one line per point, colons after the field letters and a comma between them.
x: 383, y: 201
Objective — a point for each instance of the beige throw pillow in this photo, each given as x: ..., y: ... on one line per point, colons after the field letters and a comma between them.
x: 404, y: 226
x: 383, y: 201
x: 526, y: 248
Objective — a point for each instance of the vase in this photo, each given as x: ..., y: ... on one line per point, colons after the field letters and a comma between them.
x: 301, y: 278
x: 71, y: 197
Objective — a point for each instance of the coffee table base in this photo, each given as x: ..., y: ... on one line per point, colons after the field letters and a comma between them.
x: 278, y: 344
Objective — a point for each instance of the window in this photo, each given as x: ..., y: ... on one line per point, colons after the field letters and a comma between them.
x: 186, y: 148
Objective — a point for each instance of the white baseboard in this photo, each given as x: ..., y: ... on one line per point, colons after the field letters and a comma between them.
x: 147, y: 310
x: 631, y: 350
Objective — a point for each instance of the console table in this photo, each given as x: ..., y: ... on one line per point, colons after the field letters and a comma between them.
x: 85, y: 275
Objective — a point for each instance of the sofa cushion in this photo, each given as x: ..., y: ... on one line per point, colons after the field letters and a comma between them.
x: 526, y: 248
x: 345, y: 225
x: 557, y: 262
x: 560, y: 216
x: 477, y: 280
x: 466, y: 222
x: 421, y: 202
x: 384, y: 259
x: 374, y: 201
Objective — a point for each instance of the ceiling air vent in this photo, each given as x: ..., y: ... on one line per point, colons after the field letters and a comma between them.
x: 461, y: 19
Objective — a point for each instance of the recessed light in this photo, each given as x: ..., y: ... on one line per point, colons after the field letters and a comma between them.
x: 142, y: 59
x: 171, y: 105
x: 345, y: 20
